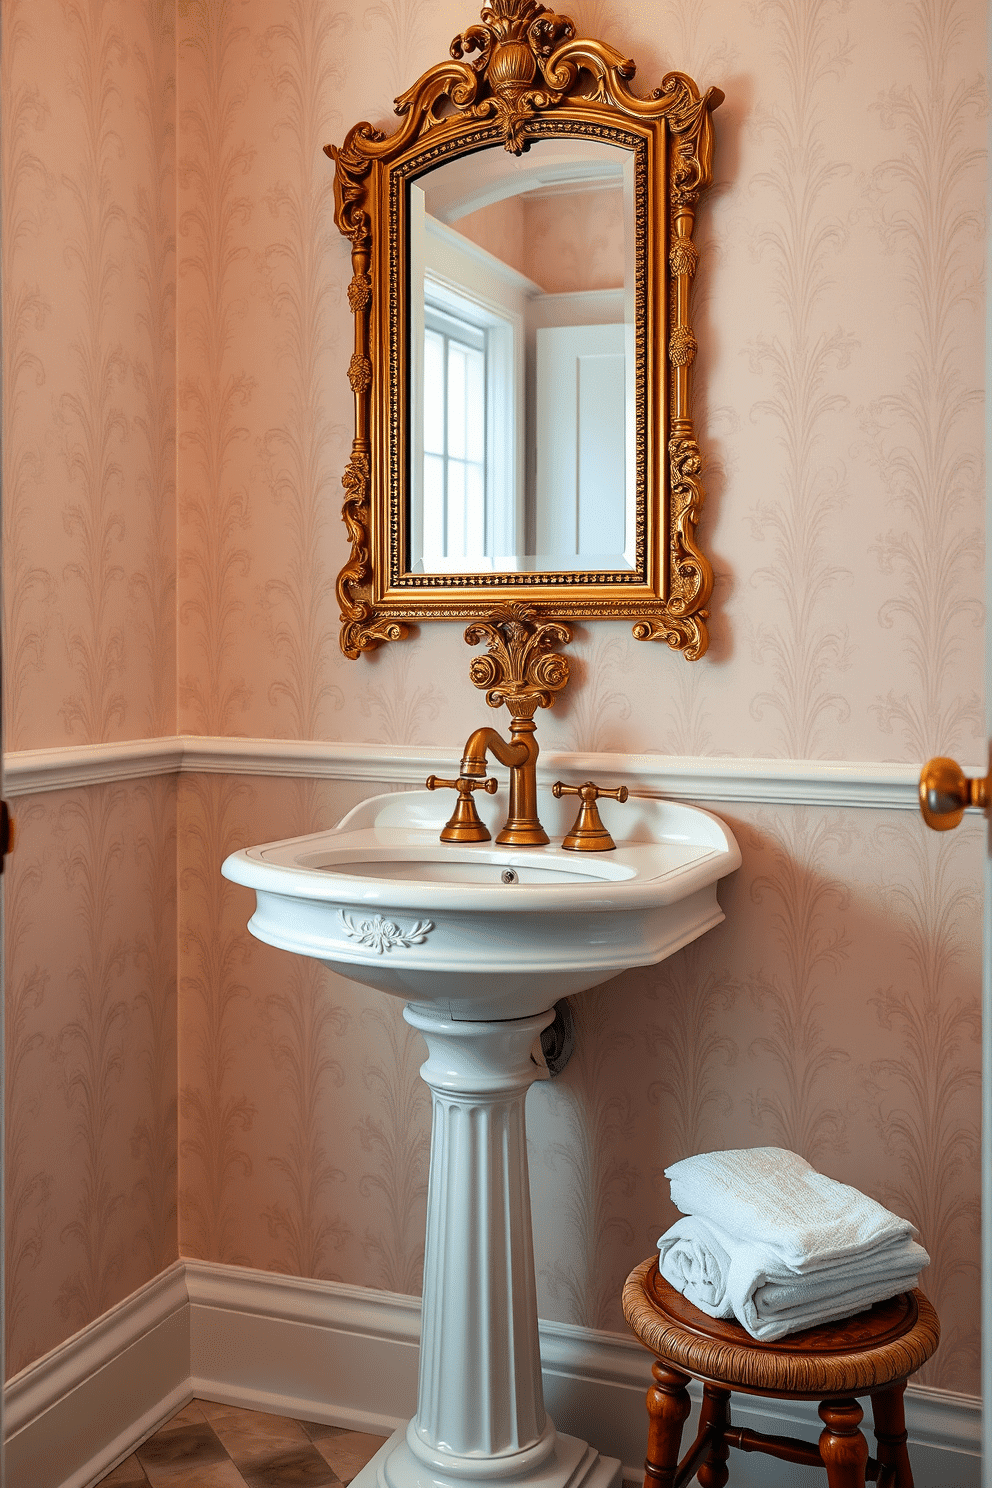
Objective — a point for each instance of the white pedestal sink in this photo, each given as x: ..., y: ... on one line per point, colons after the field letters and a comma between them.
x: 481, y: 941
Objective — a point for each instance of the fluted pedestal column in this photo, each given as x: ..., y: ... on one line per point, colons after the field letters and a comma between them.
x: 480, y: 1409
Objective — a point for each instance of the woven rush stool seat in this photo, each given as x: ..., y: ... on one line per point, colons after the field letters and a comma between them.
x: 872, y: 1353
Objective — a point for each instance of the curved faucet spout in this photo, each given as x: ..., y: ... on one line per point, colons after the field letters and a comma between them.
x: 522, y: 829
x: 487, y: 741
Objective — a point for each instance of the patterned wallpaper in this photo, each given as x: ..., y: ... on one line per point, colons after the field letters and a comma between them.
x: 89, y: 370
x: 841, y: 364
x: 89, y: 517
x: 840, y: 375
x: 90, y: 903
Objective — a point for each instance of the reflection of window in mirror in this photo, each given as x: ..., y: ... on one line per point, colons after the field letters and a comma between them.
x: 466, y: 404
x: 454, y: 438
x: 468, y: 497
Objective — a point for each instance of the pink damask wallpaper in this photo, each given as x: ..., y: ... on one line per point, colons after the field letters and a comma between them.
x: 840, y: 370
x: 89, y: 332
x: 89, y: 515
x: 91, y: 1056
x: 178, y: 416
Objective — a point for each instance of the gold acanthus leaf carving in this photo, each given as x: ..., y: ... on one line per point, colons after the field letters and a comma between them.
x: 369, y: 631
x: 353, y: 163
x: 692, y: 576
x: 690, y: 123
x: 688, y: 636
x: 360, y: 373
x: 681, y: 347
x: 683, y: 258
x: 362, y: 628
x: 360, y: 292
x: 354, y: 515
x: 521, y: 670
x: 683, y: 623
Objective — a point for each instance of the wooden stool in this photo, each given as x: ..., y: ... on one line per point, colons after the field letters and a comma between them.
x: 872, y: 1354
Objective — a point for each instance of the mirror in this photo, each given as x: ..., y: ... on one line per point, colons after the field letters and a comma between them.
x: 522, y: 261
x: 522, y: 374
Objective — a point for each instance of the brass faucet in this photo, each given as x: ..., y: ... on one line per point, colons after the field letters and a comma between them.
x: 523, y: 672
x: 522, y: 828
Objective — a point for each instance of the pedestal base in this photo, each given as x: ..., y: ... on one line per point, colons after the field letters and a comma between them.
x: 572, y: 1464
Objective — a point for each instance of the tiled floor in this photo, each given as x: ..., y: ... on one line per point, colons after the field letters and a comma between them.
x: 221, y: 1446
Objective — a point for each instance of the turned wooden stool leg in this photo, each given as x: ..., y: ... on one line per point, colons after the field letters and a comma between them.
x: 842, y: 1445
x: 668, y: 1408
x: 890, y: 1432
x: 715, y: 1415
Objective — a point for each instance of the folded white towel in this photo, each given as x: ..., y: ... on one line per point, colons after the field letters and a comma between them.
x: 804, y: 1220
x: 725, y: 1276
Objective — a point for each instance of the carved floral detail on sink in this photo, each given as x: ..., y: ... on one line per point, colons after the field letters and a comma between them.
x: 380, y: 934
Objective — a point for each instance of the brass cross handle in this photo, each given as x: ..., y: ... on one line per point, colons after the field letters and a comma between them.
x: 588, y: 834
x: 945, y: 791
x: 464, y: 824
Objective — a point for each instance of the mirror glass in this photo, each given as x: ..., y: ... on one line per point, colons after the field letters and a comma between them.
x: 522, y: 366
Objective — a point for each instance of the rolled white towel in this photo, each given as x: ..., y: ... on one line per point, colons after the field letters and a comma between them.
x: 803, y: 1219
x: 728, y: 1277
x: 697, y: 1265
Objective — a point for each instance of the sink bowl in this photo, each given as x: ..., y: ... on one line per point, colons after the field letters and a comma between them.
x: 482, y: 932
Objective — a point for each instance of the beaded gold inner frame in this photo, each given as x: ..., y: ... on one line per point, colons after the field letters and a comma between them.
x: 519, y: 75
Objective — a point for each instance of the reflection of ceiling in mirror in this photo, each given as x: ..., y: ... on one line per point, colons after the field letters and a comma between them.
x: 463, y: 185
x: 555, y: 215
x: 565, y: 242
x: 500, y: 229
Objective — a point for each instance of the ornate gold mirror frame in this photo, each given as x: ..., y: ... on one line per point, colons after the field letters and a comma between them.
x: 530, y: 78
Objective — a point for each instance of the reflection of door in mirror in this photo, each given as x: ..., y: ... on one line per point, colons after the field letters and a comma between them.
x: 522, y: 367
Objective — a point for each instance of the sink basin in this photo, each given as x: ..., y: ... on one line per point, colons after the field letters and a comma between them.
x: 483, y: 932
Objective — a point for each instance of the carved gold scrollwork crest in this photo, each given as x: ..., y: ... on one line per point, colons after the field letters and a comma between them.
x: 514, y: 42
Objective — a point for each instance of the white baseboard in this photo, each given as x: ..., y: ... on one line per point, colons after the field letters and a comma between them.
x: 344, y: 1355
x: 347, y: 1355
x: 73, y: 1414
